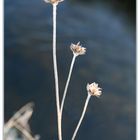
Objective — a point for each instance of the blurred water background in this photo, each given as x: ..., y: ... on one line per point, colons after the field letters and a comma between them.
x: 107, y: 30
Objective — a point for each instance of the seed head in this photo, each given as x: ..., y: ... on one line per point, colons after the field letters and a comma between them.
x: 94, y: 90
x: 53, y: 1
x: 77, y: 49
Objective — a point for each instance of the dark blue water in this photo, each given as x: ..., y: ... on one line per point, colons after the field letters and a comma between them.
x: 109, y: 36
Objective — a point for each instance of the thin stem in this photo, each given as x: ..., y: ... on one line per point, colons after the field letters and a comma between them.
x: 81, y: 118
x: 56, y: 73
x: 67, y: 83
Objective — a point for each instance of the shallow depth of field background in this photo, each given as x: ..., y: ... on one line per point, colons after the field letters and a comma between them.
x: 107, y: 29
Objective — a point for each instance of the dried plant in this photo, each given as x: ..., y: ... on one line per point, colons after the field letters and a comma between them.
x: 20, y: 122
x: 92, y: 90
x: 77, y: 50
x: 20, y: 119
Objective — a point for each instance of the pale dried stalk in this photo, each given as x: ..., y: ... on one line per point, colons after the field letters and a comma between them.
x: 82, y: 116
x: 10, y: 123
x: 16, y: 121
x: 24, y: 132
x: 21, y: 129
x: 67, y: 83
x: 56, y: 73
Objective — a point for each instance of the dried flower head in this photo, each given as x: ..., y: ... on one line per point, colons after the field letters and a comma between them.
x: 53, y: 1
x: 77, y: 49
x: 94, y: 90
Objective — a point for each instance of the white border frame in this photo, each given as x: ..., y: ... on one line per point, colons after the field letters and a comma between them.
x: 1, y: 68
x: 138, y: 70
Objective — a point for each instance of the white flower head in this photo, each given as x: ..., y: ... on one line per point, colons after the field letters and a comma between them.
x: 53, y: 1
x: 77, y: 49
x: 94, y: 90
